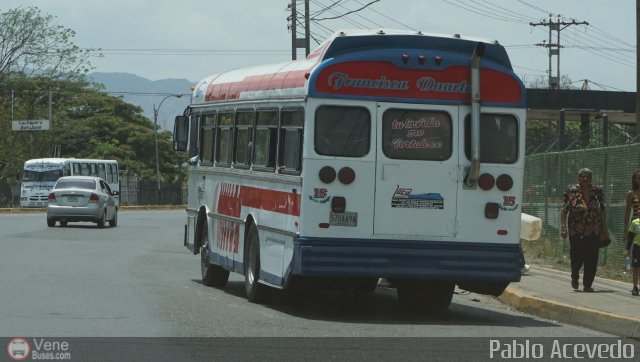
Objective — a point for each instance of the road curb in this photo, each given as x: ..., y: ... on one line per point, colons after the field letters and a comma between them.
x: 601, y: 321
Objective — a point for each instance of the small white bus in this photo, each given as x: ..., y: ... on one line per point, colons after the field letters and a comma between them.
x: 39, y: 175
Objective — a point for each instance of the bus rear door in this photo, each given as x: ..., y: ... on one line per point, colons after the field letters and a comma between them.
x: 416, y: 171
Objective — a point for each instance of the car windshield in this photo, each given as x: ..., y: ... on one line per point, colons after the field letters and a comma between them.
x: 80, y: 184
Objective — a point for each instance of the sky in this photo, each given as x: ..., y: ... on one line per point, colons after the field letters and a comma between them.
x: 191, y: 39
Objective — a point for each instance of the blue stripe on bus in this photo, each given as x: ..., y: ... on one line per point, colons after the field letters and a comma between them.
x: 334, y: 257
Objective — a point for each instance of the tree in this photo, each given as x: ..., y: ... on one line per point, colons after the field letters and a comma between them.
x: 31, y: 44
x: 86, y: 123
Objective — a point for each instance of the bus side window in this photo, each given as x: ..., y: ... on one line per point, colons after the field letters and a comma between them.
x: 223, y: 139
x: 206, y: 138
x: 193, y: 136
x: 266, y: 139
x: 102, y: 172
x: 291, y: 129
x: 243, y: 138
x: 84, y: 169
x: 114, y: 173
x: 67, y: 170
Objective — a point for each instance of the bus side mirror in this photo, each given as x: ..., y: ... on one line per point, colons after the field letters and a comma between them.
x: 181, y: 133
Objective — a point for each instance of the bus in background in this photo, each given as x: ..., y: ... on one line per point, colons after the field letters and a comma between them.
x: 383, y: 154
x: 39, y: 176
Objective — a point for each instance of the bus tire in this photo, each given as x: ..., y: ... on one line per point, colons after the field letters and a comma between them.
x: 256, y: 292
x: 425, y: 295
x: 212, y: 275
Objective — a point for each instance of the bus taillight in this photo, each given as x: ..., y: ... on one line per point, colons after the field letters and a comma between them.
x: 338, y: 204
x: 486, y: 181
x: 504, y: 182
x: 346, y: 175
x: 491, y: 210
x: 327, y: 174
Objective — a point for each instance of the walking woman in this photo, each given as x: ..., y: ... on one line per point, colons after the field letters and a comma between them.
x: 584, y: 220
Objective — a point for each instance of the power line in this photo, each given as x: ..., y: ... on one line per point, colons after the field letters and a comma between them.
x: 545, y: 12
x: 387, y: 17
x: 503, y: 10
x: 339, y: 16
x: 350, y: 12
x: 483, y: 12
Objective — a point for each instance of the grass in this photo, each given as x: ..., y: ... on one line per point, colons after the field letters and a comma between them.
x: 553, y: 253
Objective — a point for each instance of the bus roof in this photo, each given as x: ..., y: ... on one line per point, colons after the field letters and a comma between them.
x: 411, y: 66
x: 56, y: 160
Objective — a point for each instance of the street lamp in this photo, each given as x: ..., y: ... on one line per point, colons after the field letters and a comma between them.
x: 155, y: 133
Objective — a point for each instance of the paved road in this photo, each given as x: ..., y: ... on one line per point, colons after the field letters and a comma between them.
x: 137, y: 280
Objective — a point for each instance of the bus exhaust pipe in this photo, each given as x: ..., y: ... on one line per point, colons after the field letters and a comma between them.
x: 471, y: 180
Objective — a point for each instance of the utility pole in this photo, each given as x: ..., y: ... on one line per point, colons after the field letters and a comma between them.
x: 554, y: 48
x: 294, y: 30
x: 307, y: 44
x: 295, y: 41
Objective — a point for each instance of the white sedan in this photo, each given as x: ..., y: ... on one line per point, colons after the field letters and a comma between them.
x: 82, y: 198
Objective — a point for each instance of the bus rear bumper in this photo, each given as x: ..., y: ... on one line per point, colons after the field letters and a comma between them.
x: 462, y: 262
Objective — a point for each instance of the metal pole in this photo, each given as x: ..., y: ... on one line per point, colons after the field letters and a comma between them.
x: 294, y: 31
x: 307, y: 31
x: 155, y: 134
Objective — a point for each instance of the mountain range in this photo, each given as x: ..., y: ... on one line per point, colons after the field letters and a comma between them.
x: 148, y: 94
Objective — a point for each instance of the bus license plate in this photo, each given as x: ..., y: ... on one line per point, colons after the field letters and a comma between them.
x: 343, y: 219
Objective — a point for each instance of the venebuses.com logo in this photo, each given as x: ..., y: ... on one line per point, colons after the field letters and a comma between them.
x: 18, y: 349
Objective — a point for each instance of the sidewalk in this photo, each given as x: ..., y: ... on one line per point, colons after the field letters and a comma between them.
x: 547, y: 293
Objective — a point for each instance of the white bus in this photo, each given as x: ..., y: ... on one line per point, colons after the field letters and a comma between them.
x: 39, y: 176
x: 384, y: 154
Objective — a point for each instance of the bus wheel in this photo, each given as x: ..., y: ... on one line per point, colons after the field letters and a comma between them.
x: 425, y: 295
x: 103, y: 219
x: 51, y: 222
x: 256, y: 292
x: 212, y: 275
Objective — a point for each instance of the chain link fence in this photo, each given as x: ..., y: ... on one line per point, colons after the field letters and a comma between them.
x: 549, y: 175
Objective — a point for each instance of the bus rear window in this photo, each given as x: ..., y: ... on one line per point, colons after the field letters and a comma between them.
x: 342, y: 131
x: 409, y: 134
x: 498, y: 138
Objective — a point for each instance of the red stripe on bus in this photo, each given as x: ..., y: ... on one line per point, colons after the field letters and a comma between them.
x: 279, y: 80
x: 232, y: 197
x: 384, y: 79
